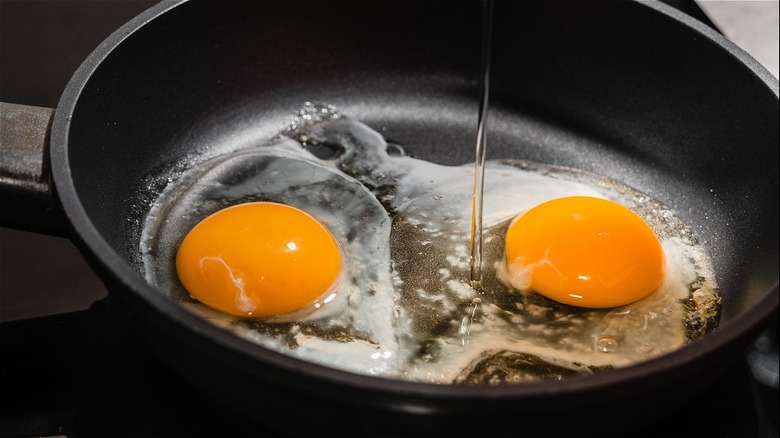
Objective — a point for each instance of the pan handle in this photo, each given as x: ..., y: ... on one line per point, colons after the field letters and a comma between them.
x: 27, y: 199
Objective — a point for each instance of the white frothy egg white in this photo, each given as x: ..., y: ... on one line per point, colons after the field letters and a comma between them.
x: 405, y: 309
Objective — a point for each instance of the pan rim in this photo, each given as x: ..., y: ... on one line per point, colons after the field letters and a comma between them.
x: 97, y: 248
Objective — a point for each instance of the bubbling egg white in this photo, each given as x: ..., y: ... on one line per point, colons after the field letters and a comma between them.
x: 405, y: 309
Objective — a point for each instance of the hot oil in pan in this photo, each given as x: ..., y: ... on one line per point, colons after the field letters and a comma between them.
x: 403, y: 225
x: 406, y: 308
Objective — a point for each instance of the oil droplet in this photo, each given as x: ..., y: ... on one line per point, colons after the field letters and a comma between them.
x: 607, y: 344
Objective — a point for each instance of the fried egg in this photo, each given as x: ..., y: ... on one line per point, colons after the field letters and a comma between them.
x: 355, y: 312
x: 402, y: 306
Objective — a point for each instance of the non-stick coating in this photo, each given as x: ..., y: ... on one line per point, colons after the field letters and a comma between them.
x: 633, y: 91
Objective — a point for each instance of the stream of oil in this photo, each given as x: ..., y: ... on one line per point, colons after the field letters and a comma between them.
x: 475, y: 258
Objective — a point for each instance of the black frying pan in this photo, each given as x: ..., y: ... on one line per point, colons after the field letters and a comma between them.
x: 635, y: 91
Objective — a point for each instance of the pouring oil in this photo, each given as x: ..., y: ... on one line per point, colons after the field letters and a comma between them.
x: 475, y: 258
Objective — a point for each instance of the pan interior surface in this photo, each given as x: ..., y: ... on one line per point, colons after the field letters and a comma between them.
x: 598, y: 97
x: 665, y: 111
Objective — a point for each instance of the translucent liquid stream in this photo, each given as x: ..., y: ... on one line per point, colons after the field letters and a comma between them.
x: 479, y: 163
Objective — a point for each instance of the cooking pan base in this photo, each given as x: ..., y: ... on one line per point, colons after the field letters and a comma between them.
x: 88, y: 374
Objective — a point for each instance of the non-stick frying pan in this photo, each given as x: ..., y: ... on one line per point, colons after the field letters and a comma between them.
x: 632, y: 90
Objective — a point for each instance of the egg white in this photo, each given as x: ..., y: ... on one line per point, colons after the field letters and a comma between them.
x: 405, y: 308
x: 351, y: 213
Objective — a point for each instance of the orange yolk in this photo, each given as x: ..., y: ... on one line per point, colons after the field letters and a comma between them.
x: 258, y: 259
x: 585, y: 252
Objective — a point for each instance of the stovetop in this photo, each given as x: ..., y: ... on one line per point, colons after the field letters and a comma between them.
x: 71, y: 366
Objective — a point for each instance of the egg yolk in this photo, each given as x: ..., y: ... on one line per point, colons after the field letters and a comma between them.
x: 585, y: 252
x: 259, y: 259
